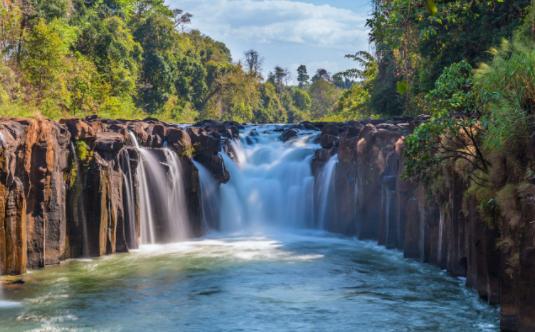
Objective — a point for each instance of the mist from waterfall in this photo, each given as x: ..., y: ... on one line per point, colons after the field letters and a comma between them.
x: 271, y: 181
x: 163, y: 208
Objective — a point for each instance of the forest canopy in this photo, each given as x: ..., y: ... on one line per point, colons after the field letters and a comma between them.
x: 137, y: 59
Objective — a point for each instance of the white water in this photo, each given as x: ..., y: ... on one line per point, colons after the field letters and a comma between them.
x: 209, y: 196
x: 163, y: 208
x: 130, y: 202
x: 271, y: 182
x: 326, y: 190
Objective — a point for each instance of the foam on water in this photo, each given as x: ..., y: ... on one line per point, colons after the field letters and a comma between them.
x: 271, y: 182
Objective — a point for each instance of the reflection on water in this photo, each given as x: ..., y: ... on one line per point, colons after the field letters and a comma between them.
x: 307, y: 281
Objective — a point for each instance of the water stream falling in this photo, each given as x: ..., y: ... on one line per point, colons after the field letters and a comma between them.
x: 209, y: 197
x: 129, y: 200
x: 326, y: 189
x: 163, y: 209
x: 271, y: 182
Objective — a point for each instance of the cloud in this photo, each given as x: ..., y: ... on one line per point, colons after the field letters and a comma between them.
x: 272, y: 21
x: 285, y: 32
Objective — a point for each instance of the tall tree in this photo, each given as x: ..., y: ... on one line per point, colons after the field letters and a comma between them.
x: 280, y: 75
x: 321, y: 74
x: 302, y: 76
x: 253, y: 62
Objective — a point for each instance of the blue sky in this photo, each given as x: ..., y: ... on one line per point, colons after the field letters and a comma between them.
x: 288, y: 33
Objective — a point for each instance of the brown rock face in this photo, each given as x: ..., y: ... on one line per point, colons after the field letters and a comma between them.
x: 34, y: 158
x: 373, y: 201
x: 68, y: 189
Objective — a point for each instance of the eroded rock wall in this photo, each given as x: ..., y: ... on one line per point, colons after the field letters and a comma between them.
x: 69, y: 189
x: 374, y: 201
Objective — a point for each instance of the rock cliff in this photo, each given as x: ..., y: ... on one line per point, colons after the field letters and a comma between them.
x: 441, y: 226
x: 65, y: 188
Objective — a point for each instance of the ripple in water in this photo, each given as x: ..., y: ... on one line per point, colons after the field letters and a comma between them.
x: 308, y: 281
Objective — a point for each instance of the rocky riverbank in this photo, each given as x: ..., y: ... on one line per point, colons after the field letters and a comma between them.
x: 441, y: 226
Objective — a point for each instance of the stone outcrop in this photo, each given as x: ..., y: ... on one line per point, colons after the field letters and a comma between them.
x: 445, y: 228
x: 34, y: 160
x: 66, y: 188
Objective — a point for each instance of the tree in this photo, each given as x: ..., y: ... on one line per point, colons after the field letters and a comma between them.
x: 302, y: 76
x: 254, y: 63
x: 280, y: 76
x: 271, y: 110
x: 181, y: 18
x: 452, y: 133
x: 324, y: 95
x: 43, y: 57
x: 157, y: 36
x: 235, y: 96
x: 117, y: 56
x: 321, y: 74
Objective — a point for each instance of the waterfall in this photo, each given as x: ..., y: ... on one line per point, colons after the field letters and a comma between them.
x: 326, y: 190
x: 209, y: 197
x: 163, y: 208
x: 271, y: 182
x: 79, y: 205
x: 130, y: 202
x: 440, y: 236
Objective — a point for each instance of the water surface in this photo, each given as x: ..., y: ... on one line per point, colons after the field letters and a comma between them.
x: 309, y: 281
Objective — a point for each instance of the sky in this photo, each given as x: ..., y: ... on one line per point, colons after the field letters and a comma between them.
x: 317, y: 33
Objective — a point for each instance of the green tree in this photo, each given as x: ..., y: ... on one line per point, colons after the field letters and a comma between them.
x: 324, y: 95
x: 44, y: 55
x: 271, y: 109
x: 302, y: 76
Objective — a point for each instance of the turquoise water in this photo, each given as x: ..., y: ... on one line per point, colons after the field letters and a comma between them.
x: 278, y: 282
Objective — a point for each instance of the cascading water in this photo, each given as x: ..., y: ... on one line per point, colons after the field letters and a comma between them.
x: 271, y: 182
x: 130, y: 201
x: 163, y: 208
x: 209, y: 197
x: 326, y: 190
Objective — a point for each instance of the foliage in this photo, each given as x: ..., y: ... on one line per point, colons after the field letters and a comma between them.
x: 416, y: 40
x: 452, y: 133
x: 324, y: 95
x: 133, y: 58
x: 508, y: 102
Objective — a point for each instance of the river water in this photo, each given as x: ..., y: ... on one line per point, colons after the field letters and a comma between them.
x: 307, y: 281
x: 266, y: 269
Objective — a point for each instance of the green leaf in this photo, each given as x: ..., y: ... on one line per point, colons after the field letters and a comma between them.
x: 402, y: 87
x: 432, y: 7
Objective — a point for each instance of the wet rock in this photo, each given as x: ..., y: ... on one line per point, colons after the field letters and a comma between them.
x: 328, y: 141
x: 288, y: 134
x: 179, y: 140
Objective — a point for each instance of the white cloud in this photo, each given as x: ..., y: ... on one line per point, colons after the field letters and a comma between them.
x: 270, y: 21
x: 284, y: 31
